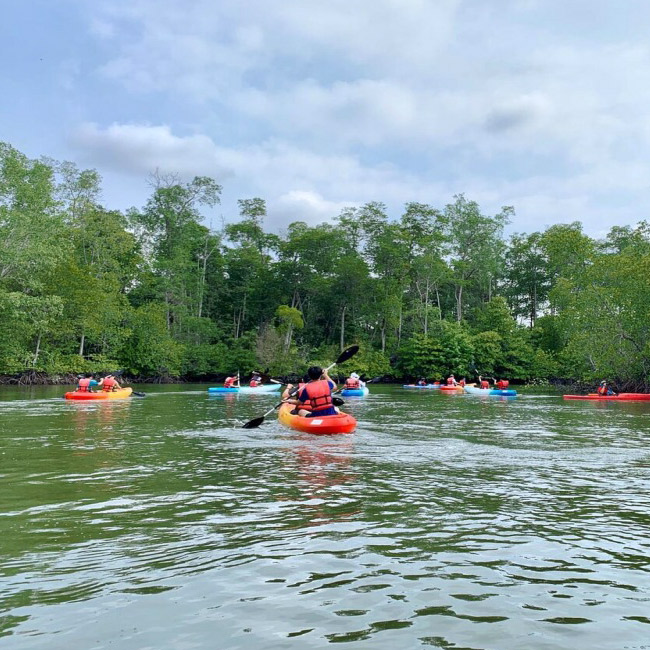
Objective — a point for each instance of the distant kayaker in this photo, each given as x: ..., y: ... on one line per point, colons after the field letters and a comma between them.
x: 316, y: 397
x: 231, y: 382
x: 605, y: 389
x: 462, y: 382
x: 422, y: 382
x: 256, y: 380
x: 88, y: 382
x: 451, y: 381
x: 110, y: 384
x: 483, y: 383
x: 501, y: 384
x: 353, y: 382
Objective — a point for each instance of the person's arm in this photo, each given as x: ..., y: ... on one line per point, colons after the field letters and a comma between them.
x: 328, y: 378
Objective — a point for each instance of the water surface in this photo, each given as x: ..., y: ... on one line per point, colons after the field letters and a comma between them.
x: 445, y: 521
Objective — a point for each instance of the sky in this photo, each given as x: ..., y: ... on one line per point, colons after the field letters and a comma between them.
x: 315, y: 105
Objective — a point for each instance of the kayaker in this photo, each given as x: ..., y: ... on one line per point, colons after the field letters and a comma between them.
x: 231, y: 382
x: 110, y: 384
x: 422, y: 382
x: 287, y: 391
x: 483, y: 383
x: 88, y: 382
x: 316, y: 397
x: 501, y: 384
x: 605, y: 389
x: 451, y: 381
x: 353, y: 382
x: 462, y: 382
x: 256, y: 380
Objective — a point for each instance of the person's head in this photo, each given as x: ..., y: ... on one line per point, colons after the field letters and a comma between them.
x: 603, y: 382
x: 314, y: 373
x: 89, y: 375
x: 452, y: 375
x: 354, y: 375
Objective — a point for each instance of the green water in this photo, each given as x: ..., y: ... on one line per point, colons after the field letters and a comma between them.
x: 445, y: 521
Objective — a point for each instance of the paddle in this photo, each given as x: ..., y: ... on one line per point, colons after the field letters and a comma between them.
x: 344, y: 356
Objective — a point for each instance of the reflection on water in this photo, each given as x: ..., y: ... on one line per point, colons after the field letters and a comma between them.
x: 445, y: 523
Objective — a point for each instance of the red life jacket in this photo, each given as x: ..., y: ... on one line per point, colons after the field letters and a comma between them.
x: 352, y: 384
x: 502, y: 384
x: 108, y: 384
x: 253, y: 383
x: 485, y: 384
x: 602, y: 390
x: 461, y: 382
x: 320, y: 395
x: 229, y: 382
x: 84, y: 385
x: 450, y: 381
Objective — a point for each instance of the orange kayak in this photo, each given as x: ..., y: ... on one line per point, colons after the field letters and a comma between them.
x: 101, y: 394
x: 326, y: 424
x: 451, y: 389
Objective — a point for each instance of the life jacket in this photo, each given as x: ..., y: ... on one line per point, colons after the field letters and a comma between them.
x: 485, y: 384
x: 108, y: 384
x: 502, y: 384
x: 84, y: 385
x: 450, y: 381
x: 253, y: 383
x: 461, y: 382
x: 352, y: 384
x: 602, y: 390
x: 229, y: 382
x: 319, y: 394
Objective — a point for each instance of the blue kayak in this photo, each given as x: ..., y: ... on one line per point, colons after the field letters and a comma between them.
x: 266, y: 388
x: 354, y: 392
x: 427, y: 387
x: 472, y: 390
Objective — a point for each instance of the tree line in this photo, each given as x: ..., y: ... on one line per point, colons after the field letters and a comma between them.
x: 428, y: 292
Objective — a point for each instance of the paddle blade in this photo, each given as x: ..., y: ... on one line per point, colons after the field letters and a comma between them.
x: 347, y: 354
x: 253, y: 424
x: 137, y: 394
x: 337, y: 401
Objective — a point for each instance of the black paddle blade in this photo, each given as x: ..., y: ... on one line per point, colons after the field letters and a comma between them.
x: 253, y: 424
x: 138, y: 394
x: 347, y: 354
x: 337, y: 401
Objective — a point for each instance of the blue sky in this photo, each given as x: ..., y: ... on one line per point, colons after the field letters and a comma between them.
x: 317, y: 105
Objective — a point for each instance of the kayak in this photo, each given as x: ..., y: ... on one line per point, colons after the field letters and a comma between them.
x: 472, y: 390
x: 102, y: 394
x: 451, y: 389
x: 326, y: 424
x: 621, y: 397
x: 428, y: 386
x: 354, y: 392
x: 266, y: 388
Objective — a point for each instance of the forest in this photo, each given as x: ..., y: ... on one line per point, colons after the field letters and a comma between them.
x: 433, y: 290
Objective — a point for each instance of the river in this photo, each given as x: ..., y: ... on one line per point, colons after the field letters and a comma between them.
x: 445, y: 522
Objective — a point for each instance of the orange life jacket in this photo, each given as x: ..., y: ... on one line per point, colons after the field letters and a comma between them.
x: 602, y: 390
x: 352, y: 384
x: 319, y: 394
x: 502, y: 384
x: 450, y: 381
x: 108, y: 384
x: 84, y: 385
x: 485, y: 384
x: 229, y: 382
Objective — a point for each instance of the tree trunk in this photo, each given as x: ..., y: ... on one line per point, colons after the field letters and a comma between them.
x: 438, y: 301
x: 383, y: 337
x: 287, y: 338
x: 399, y: 326
x: 38, y: 349
x: 342, y: 340
x: 81, y: 344
x: 459, y: 303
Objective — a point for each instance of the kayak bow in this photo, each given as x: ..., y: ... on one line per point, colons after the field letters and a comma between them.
x: 326, y: 424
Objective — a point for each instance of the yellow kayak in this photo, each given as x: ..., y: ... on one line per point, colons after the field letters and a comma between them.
x: 121, y: 393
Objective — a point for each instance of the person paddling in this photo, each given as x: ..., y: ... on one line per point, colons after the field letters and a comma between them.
x: 109, y: 384
x: 501, y: 384
x: 353, y: 382
x: 483, y: 383
x: 451, y: 381
x: 316, y: 397
x: 256, y: 380
x: 88, y: 382
x: 422, y: 382
x: 231, y: 382
x: 605, y: 389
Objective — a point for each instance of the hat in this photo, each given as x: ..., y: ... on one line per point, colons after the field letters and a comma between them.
x: 354, y: 375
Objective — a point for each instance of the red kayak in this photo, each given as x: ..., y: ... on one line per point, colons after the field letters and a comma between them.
x: 451, y: 389
x: 326, y: 424
x: 621, y: 397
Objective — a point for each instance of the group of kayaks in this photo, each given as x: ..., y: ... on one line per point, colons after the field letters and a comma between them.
x: 470, y: 389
